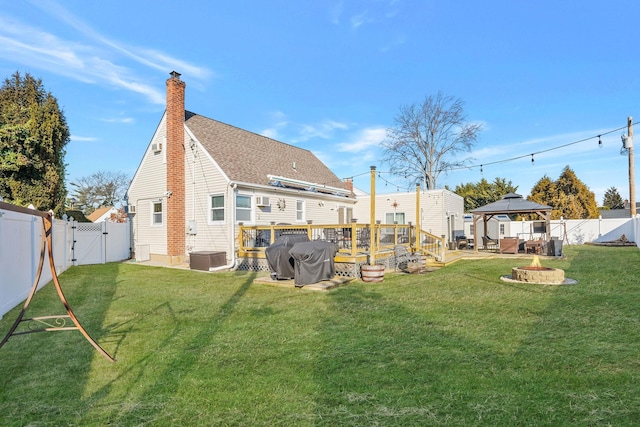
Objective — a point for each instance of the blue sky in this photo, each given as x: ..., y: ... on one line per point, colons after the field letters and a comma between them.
x: 330, y: 76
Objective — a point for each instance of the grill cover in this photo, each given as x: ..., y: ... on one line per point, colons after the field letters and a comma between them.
x: 313, y: 262
x: 278, y: 257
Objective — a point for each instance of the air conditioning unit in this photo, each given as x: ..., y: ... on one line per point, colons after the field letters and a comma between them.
x: 156, y: 147
x: 262, y: 201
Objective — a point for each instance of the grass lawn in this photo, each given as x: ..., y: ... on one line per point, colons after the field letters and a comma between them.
x: 457, y: 346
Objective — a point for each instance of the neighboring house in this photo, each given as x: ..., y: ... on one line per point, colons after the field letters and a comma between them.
x: 498, y: 227
x: 199, y: 178
x: 104, y: 214
x: 619, y: 213
x: 441, y: 211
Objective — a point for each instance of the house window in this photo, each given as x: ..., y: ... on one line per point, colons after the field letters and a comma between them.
x: 243, y: 208
x: 217, y: 208
x: 471, y: 229
x: 392, y: 217
x: 299, y: 210
x: 502, y: 229
x: 156, y: 216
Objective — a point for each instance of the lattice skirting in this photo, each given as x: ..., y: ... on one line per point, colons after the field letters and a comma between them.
x: 343, y: 269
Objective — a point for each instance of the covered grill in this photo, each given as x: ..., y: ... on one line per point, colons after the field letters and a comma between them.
x: 313, y: 262
x: 280, y: 261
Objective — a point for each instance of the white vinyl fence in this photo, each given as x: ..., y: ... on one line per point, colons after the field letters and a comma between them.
x: 73, y: 244
x: 579, y: 231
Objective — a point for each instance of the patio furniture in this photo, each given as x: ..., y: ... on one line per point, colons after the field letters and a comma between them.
x: 534, y: 246
x: 489, y: 243
x: 404, y: 257
x: 509, y: 245
x: 363, y: 238
x: 462, y: 242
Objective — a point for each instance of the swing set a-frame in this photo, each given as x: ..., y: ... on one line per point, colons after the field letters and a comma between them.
x: 54, y: 323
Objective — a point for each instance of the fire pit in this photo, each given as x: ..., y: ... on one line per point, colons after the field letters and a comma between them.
x: 536, y: 273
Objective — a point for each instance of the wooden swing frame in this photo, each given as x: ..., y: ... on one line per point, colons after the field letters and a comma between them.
x: 53, y: 323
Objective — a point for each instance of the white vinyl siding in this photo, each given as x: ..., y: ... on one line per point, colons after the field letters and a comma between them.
x: 149, y: 184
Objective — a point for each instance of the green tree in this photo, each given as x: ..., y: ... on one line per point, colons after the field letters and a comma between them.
x: 568, y: 196
x: 101, y: 189
x: 483, y: 192
x: 612, y: 199
x: 33, y: 136
x: 427, y: 137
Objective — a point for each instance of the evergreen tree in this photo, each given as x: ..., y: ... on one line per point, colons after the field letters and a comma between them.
x: 483, y: 192
x: 568, y: 196
x: 33, y: 136
x: 612, y: 199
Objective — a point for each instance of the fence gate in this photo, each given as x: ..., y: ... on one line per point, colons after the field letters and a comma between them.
x: 89, y: 243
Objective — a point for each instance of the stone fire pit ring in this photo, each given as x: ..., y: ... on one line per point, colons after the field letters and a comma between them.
x: 538, y: 275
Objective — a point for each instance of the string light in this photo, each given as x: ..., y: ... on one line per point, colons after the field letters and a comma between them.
x: 600, y: 144
x: 542, y: 151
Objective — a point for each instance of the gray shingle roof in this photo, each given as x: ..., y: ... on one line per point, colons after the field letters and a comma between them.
x: 248, y: 157
x: 511, y: 203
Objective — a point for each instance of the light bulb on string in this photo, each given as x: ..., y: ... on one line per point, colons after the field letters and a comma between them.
x: 532, y: 160
x: 599, y: 142
x: 480, y: 168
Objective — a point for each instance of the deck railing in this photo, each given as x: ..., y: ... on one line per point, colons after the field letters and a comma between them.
x: 351, y: 239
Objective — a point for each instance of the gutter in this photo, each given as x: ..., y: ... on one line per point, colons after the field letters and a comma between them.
x: 233, y: 265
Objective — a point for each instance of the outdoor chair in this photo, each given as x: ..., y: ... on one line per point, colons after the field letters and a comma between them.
x: 363, y: 238
x: 330, y: 235
x: 489, y: 243
x: 404, y: 257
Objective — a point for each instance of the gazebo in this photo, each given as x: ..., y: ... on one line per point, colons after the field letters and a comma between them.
x: 510, y: 204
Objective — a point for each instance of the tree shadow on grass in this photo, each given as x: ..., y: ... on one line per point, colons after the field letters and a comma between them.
x: 42, y: 371
x: 154, y: 373
x: 392, y: 357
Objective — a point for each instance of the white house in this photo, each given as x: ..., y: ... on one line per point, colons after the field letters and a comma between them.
x: 498, y: 227
x: 199, y: 178
x: 104, y: 214
x: 441, y: 212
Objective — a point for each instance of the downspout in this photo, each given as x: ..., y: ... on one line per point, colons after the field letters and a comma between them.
x: 193, y: 190
x: 233, y: 264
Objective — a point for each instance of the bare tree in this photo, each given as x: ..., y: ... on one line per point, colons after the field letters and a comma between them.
x: 101, y: 189
x: 427, y: 137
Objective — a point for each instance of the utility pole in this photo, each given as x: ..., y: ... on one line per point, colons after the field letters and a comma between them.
x: 632, y: 185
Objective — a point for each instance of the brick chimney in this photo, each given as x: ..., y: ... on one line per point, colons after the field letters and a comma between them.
x: 348, y: 184
x: 175, y: 169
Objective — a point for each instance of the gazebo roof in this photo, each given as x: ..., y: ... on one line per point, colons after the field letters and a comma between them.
x: 511, y: 203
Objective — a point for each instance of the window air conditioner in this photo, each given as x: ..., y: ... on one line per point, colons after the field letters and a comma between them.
x: 262, y: 201
x: 156, y: 147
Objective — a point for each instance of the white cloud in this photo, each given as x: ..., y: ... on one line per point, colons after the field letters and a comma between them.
x: 335, y: 13
x: 270, y: 133
x: 103, y: 62
x: 77, y: 138
x: 125, y: 120
x: 364, y: 140
x: 361, y: 19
